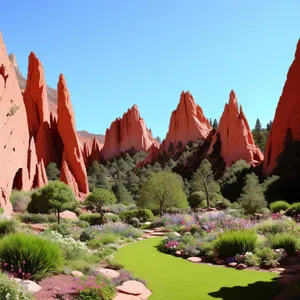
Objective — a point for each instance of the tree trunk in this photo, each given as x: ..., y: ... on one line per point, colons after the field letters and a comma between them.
x: 58, y: 217
x: 160, y: 209
x: 207, y: 194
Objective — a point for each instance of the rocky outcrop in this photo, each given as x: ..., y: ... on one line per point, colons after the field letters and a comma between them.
x: 36, y: 103
x: 187, y: 123
x: 286, y: 121
x: 73, y: 171
x: 95, y: 153
x: 14, y: 136
x: 233, y: 138
x: 127, y: 133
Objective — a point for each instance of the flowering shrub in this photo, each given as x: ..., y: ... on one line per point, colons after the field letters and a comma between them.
x: 268, y: 257
x: 29, y: 256
x: 71, y: 247
x: 273, y: 226
x: 95, y: 288
x: 123, y: 230
x: 250, y: 259
x: 11, y: 290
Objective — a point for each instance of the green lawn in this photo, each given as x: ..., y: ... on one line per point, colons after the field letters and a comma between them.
x: 172, y: 278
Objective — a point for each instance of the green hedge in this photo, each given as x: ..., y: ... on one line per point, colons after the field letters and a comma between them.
x: 144, y: 215
x: 92, y: 219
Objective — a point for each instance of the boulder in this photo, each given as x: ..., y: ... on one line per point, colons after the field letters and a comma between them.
x: 68, y: 215
x: 241, y: 266
x: 220, y: 262
x: 232, y: 264
x: 233, y: 139
x: 109, y: 273
x: 28, y: 285
x: 136, y: 288
x: 77, y: 274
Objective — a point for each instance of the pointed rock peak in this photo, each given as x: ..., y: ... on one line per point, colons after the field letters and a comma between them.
x: 235, y: 136
x: 62, y: 85
x: 233, y: 99
x: 297, y: 53
x: 63, y: 96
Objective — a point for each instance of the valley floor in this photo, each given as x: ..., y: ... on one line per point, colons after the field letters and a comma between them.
x: 172, y: 278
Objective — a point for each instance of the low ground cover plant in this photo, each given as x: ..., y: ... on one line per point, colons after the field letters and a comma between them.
x: 37, y: 218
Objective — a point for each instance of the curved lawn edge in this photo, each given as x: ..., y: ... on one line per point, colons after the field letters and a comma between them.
x: 174, y: 278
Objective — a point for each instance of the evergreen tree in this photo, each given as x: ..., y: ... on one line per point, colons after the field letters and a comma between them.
x: 259, y: 135
x: 215, y: 124
x: 52, y: 171
x: 121, y: 193
x: 269, y: 126
x: 252, y: 198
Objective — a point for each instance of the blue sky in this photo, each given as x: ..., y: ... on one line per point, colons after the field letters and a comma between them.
x: 118, y: 53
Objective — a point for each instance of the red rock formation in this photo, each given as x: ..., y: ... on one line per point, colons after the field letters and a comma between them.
x: 14, y: 137
x: 235, y: 136
x: 287, y: 116
x: 152, y: 156
x: 86, y: 154
x: 129, y: 132
x: 36, y: 103
x: 73, y: 171
x: 187, y: 123
x: 95, y: 153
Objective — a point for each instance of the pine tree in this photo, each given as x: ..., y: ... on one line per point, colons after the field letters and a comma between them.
x: 215, y: 124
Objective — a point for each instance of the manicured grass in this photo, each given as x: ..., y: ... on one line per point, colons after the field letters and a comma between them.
x: 174, y: 278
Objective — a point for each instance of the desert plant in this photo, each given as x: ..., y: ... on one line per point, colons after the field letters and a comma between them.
x: 232, y: 242
x: 135, y: 222
x: 111, y: 217
x: 92, y: 219
x: 30, y: 256
x: 7, y: 226
x: 20, y: 200
x: 287, y: 241
x: 274, y: 226
x: 11, y: 290
x: 144, y: 215
x: 37, y: 218
x: 278, y: 206
x: 268, y: 257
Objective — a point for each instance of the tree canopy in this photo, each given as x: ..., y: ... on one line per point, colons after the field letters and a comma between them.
x: 161, y: 191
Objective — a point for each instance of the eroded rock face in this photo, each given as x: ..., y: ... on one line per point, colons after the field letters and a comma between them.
x: 14, y: 136
x: 234, y: 136
x: 287, y: 116
x: 95, y: 153
x: 187, y: 123
x: 126, y: 133
x: 38, y: 116
x: 73, y: 171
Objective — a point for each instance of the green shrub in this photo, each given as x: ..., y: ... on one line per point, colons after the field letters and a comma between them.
x: 35, y: 256
x: 287, y: 241
x: 96, y: 289
x: 144, y: 215
x: 135, y: 222
x: 7, y: 226
x: 274, y: 226
x: 294, y: 209
x: 88, y: 234
x: 1, y: 210
x: 277, y: 206
x: 92, y: 219
x: 113, y: 264
x: 268, y: 257
x: 111, y: 217
x: 252, y: 260
x: 13, y: 289
x: 231, y: 243
x: 107, y: 238
x: 37, y: 218
x: 20, y: 200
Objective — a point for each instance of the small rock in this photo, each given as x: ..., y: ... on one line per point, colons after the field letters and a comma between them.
x: 148, y: 231
x: 176, y: 233
x: 241, y: 267
x: 147, y: 223
x: 77, y: 274
x: 157, y: 233
x: 232, y: 264
x: 29, y: 286
x: 194, y: 259
x: 220, y: 262
x: 108, y: 273
x: 211, y: 209
x: 39, y: 227
x: 178, y: 253
x: 139, y: 239
x: 258, y: 216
